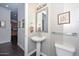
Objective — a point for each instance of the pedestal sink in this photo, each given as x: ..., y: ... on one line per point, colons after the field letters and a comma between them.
x: 38, y: 41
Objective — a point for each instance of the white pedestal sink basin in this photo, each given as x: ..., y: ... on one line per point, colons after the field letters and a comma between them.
x: 37, y: 38
x: 38, y: 41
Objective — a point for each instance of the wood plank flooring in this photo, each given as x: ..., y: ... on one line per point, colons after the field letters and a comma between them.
x: 7, y: 49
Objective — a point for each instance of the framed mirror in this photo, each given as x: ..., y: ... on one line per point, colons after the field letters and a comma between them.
x: 42, y: 20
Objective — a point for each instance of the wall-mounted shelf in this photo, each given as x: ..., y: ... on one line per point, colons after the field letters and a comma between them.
x: 67, y: 34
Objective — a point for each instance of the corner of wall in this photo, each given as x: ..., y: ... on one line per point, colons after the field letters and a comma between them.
x: 21, y: 46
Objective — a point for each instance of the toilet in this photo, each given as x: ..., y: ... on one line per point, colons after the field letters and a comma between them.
x: 64, y: 50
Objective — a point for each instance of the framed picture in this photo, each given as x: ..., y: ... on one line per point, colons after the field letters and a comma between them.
x: 64, y: 18
x: 23, y: 25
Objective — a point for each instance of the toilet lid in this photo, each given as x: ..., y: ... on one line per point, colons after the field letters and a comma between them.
x: 65, y: 47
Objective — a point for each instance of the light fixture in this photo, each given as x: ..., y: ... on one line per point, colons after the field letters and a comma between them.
x: 2, y: 23
x: 39, y: 6
x: 14, y: 15
x: 6, y: 6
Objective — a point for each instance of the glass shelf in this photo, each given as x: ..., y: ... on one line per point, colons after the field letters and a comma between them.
x: 67, y: 34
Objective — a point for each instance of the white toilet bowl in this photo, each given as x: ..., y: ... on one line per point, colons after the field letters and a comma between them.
x: 64, y: 50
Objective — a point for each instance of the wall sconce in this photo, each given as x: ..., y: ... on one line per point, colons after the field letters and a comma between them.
x: 2, y: 24
x: 31, y: 28
x: 41, y: 6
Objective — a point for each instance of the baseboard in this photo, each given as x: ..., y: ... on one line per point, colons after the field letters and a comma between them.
x: 43, y: 54
x: 21, y: 47
x: 4, y: 42
x: 31, y: 52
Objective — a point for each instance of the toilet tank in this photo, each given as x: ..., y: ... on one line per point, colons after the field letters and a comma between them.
x: 64, y: 50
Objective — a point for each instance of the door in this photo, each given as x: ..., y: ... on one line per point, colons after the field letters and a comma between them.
x: 14, y: 28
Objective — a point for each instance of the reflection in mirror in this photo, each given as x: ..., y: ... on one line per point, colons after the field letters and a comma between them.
x: 42, y: 20
x: 2, y: 23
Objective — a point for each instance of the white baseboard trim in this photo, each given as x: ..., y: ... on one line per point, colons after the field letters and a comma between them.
x: 43, y: 54
x: 21, y: 47
x: 4, y: 42
x: 31, y: 52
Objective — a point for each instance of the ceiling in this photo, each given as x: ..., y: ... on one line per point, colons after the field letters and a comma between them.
x: 11, y: 6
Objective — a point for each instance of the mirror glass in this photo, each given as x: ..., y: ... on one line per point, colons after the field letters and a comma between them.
x: 42, y: 20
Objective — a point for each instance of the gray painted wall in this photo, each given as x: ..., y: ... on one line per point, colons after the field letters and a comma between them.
x: 31, y: 45
x: 32, y: 19
x: 5, y: 33
x: 21, y: 31
x: 73, y: 26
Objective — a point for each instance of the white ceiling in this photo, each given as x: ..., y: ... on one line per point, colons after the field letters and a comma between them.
x: 11, y: 6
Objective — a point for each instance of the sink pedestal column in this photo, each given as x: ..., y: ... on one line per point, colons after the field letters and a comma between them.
x: 38, y: 41
x: 38, y: 48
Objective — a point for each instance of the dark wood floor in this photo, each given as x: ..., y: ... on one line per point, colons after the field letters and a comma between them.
x: 8, y: 49
x: 34, y: 54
